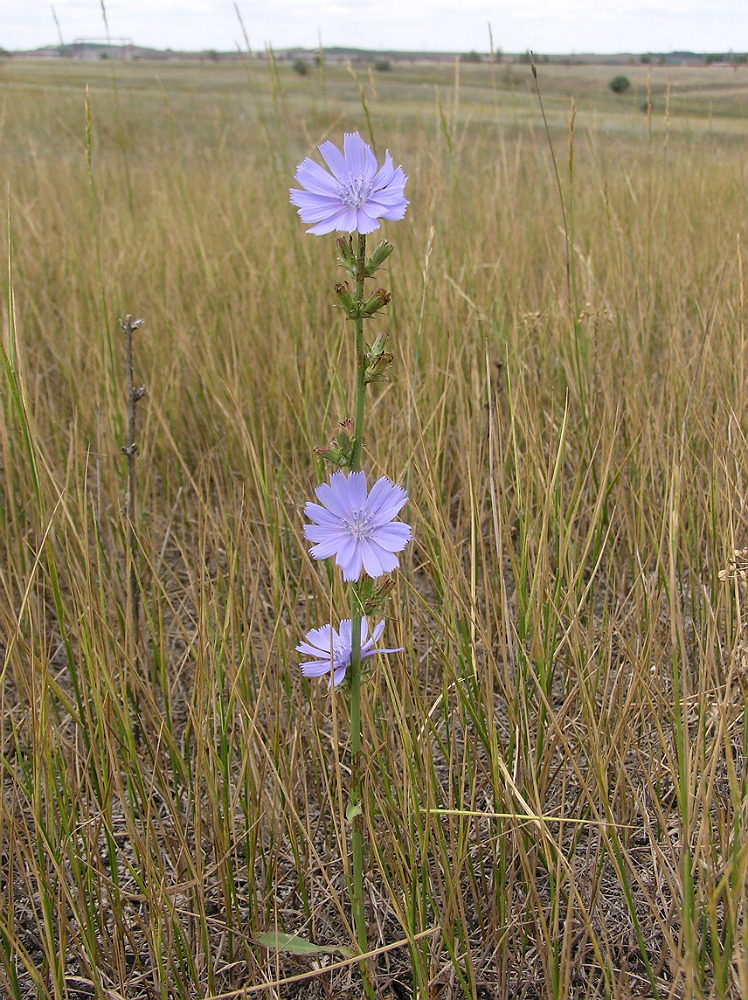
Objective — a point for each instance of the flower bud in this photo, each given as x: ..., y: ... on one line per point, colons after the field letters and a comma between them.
x: 345, y: 247
x: 350, y: 305
x: 376, y: 599
x: 377, y: 360
x: 347, y: 255
x: 377, y: 348
x: 375, y: 371
x: 376, y: 301
x: 381, y: 252
x: 340, y: 450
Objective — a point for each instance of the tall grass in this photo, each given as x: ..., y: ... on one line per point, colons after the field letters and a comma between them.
x: 554, y: 779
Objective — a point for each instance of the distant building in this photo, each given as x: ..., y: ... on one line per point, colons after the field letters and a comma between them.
x: 101, y: 48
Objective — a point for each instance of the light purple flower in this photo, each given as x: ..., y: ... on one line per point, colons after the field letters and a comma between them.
x: 355, y: 527
x: 332, y: 650
x: 357, y: 193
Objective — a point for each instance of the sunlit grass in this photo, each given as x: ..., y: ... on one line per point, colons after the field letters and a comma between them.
x: 554, y: 776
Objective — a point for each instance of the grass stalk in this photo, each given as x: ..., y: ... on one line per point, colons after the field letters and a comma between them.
x: 130, y: 450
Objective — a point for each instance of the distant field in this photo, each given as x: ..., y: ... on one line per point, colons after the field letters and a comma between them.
x: 555, y: 782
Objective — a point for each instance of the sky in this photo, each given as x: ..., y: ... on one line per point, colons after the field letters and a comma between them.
x: 545, y: 26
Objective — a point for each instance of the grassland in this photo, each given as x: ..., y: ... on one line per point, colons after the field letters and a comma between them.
x: 555, y: 778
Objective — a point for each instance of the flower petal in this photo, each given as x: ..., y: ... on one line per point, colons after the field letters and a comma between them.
x: 344, y: 220
x: 314, y: 205
x: 351, y: 569
x: 364, y: 223
x: 394, y: 214
x: 364, y: 631
x: 345, y: 632
x: 393, y: 537
x: 385, y: 500
x: 359, y: 158
x: 336, y: 495
x: 314, y: 178
x: 321, y: 515
x: 334, y: 159
x: 373, y: 565
x: 349, y: 492
x: 325, y: 547
x: 348, y: 557
x: 316, y: 668
x: 319, y: 639
x: 320, y: 532
x: 386, y: 204
x: 308, y: 650
x: 385, y: 173
x: 377, y: 561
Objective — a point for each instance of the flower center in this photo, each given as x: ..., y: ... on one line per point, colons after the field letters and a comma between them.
x: 354, y: 190
x: 360, y: 526
x: 339, y: 651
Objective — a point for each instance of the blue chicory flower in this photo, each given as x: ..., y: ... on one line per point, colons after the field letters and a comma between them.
x: 357, y: 527
x: 332, y: 650
x: 355, y: 196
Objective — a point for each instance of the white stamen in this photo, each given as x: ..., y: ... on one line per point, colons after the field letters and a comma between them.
x: 354, y: 190
x: 361, y: 526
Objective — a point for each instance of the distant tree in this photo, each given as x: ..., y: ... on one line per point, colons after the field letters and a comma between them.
x: 300, y: 67
x: 472, y: 57
x: 620, y: 84
x: 526, y: 57
x: 645, y: 59
x: 382, y: 65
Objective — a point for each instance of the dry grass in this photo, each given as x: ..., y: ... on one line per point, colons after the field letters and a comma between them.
x: 555, y: 779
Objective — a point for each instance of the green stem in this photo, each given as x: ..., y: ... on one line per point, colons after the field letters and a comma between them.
x: 358, y: 333
x: 354, y: 806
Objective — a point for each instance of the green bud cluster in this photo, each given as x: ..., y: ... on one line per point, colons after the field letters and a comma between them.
x: 378, y: 299
x: 374, y: 599
x: 349, y: 261
x: 377, y: 360
x: 340, y: 450
x: 350, y: 305
x: 381, y: 252
x: 361, y: 309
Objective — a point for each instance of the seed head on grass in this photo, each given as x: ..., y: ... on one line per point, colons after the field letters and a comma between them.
x: 357, y: 527
x: 358, y: 193
x: 332, y: 650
